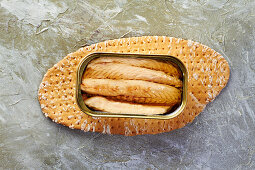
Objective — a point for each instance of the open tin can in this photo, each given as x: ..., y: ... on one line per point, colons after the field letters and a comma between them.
x: 168, y: 115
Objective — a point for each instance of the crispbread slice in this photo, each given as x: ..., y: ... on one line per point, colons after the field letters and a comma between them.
x: 208, y: 74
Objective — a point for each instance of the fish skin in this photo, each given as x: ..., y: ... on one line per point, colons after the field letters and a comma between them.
x: 140, y: 62
x: 128, y: 72
x: 137, y: 91
x: 103, y: 104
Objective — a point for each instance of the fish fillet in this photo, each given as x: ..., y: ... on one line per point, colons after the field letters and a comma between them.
x: 104, y: 104
x: 138, y: 91
x: 127, y: 72
x: 139, y: 62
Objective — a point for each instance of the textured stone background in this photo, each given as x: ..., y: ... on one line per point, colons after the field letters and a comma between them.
x: 36, y: 34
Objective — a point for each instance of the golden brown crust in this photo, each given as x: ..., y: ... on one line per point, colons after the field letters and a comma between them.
x: 208, y: 75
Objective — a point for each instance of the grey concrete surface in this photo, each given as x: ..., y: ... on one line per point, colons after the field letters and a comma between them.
x: 36, y: 34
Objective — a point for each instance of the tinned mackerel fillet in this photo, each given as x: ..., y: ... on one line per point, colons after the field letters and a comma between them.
x: 128, y: 72
x: 138, y: 91
x: 106, y: 105
x: 139, y: 62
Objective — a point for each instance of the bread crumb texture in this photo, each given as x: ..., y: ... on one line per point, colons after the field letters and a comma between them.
x: 208, y: 74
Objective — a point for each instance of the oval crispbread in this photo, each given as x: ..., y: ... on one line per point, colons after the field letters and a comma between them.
x: 208, y: 74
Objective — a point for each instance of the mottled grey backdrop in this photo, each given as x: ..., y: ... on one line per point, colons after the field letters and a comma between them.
x: 36, y: 34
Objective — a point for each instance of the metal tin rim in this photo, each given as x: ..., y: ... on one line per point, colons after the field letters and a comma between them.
x: 82, y: 65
